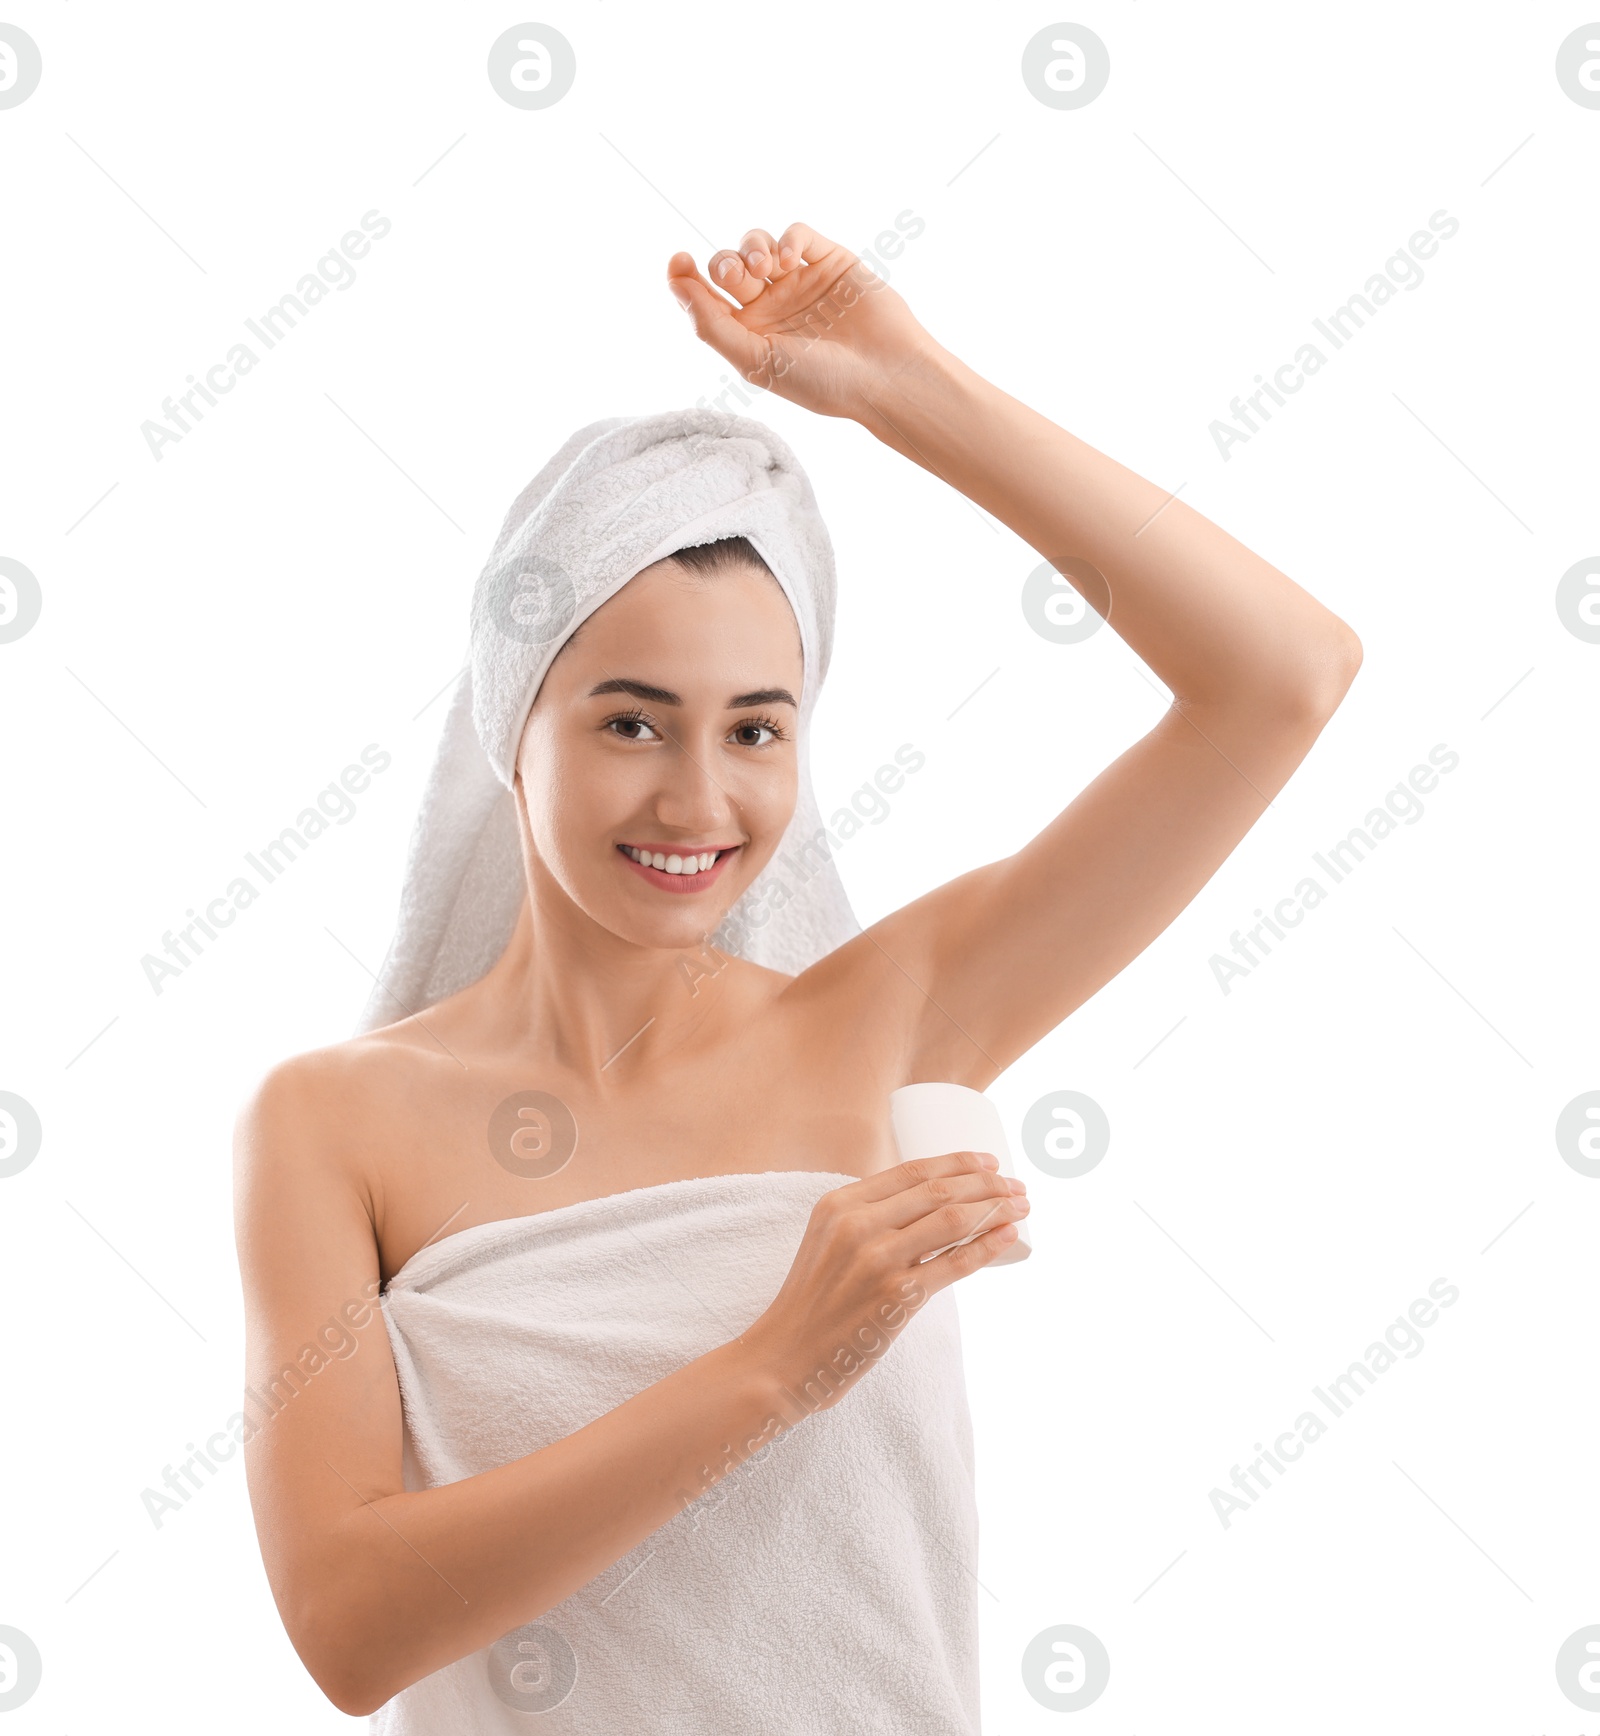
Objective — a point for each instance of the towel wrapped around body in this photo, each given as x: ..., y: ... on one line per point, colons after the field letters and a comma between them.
x: 828, y: 1584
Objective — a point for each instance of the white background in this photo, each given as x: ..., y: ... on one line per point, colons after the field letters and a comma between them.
x: 1296, y: 1161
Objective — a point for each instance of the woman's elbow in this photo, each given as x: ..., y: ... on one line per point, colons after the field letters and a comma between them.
x: 357, y: 1705
x: 1343, y: 662
x: 1324, y: 677
x: 345, y: 1683
x: 326, y: 1635
x: 348, y: 1698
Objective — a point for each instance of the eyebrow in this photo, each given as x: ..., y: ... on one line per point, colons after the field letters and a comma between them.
x: 665, y: 695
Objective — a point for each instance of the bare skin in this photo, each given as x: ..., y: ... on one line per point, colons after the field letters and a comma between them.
x: 676, y: 1061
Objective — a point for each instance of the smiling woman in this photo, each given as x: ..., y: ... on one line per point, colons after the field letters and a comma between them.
x: 634, y: 1222
x: 587, y: 768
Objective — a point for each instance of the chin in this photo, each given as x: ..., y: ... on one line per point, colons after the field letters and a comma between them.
x: 688, y: 931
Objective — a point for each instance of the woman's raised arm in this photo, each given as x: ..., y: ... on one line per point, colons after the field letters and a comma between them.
x: 982, y: 968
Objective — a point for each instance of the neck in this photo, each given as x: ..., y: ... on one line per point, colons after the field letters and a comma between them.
x: 598, y: 1006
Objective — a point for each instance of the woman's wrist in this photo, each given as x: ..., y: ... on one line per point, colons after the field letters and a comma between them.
x: 760, y: 1367
x: 924, y: 395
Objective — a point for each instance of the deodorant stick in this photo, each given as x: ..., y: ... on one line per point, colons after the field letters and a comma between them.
x: 930, y: 1120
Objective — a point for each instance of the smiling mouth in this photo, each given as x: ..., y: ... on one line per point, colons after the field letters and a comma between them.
x: 678, y: 870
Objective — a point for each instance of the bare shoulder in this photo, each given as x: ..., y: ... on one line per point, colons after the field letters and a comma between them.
x: 311, y: 1122
x: 295, y: 1100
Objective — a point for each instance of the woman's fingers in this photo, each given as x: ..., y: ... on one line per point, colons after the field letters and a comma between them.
x: 926, y: 1204
x: 758, y: 261
x: 957, y: 1262
x: 959, y: 1200
x: 742, y: 271
x: 683, y: 275
x: 762, y: 259
x: 954, y: 1220
x: 728, y: 271
x: 747, y: 271
x: 903, y: 1177
x: 760, y: 253
x: 919, y: 1206
x: 800, y: 244
x: 713, y: 319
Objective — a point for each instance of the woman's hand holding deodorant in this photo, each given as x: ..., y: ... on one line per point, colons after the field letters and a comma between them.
x: 932, y: 1118
x: 874, y: 1251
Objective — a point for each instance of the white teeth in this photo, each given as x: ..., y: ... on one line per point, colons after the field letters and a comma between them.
x: 674, y: 864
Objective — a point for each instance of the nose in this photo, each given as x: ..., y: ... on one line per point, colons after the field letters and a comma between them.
x: 690, y: 798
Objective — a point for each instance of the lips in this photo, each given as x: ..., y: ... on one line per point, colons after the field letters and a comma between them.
x: 680, y: 883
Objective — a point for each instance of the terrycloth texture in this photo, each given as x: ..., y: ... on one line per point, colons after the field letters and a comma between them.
x: 828, y: 1585
x: 619, y: 495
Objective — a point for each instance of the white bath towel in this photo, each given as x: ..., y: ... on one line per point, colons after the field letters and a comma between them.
x: 825, y: 1588
x: 618, y: 496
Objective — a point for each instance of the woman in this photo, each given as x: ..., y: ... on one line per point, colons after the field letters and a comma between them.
x: 685, y: 1241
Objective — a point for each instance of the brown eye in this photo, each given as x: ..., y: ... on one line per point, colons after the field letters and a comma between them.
x: 629, y: 722
x: 773, y: 728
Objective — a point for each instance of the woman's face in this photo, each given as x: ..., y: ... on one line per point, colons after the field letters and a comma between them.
x: 665, y: 726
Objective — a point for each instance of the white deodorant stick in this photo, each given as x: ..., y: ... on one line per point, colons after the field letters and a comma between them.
x: 930, y: 1120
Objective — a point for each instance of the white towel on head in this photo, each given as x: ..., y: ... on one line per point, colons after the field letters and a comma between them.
x: 619, y: 495
x: 826, y: 1585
